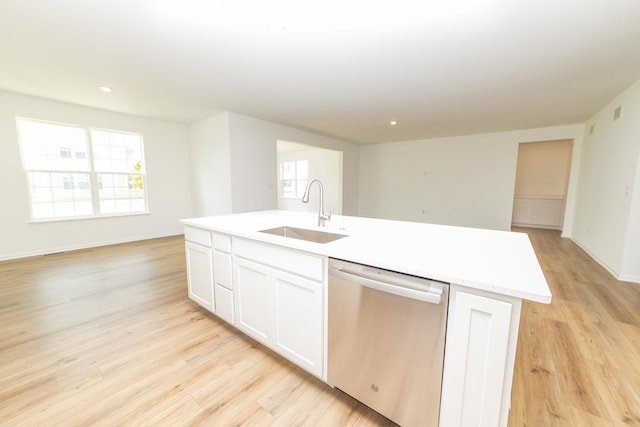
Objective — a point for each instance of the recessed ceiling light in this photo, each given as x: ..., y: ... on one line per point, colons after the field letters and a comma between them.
x: 393, y: 122
x: 105, y: 89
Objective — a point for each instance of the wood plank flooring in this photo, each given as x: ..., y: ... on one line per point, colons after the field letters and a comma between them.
x: 107, y: 336
x: 578, y: 358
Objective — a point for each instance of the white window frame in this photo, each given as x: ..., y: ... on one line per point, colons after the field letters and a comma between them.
x: 92, y: 177
x: 298, y: 181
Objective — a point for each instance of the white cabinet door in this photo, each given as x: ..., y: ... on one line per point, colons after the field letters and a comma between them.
x: 545, y: 213
x: 298, y: 320
x: 549, y: 213
x: 522, y: 211
x: 479, y: 357
x: 252, y: 289
x: 200, y: 275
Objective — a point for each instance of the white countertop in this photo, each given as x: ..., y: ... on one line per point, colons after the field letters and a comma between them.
x: 496, y: 261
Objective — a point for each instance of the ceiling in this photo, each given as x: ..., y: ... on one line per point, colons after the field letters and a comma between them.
x: 343, y: 68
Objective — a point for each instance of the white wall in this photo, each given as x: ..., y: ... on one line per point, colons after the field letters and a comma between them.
x: 631, y: 255
x: 166, y: 154
x: 209, y: 154
x: 254, y: 148
x: 543, y: 169
x: 252, y: 163
x: 325, y: 165
x: 607, y: 220
x: 466, y: 180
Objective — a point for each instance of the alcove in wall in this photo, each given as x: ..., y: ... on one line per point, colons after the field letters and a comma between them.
x: 542, y: 178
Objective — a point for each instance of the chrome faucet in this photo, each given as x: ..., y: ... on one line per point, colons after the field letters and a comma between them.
x: 322, y: 218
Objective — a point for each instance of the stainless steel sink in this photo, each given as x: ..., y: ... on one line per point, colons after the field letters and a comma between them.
x: 304, y: 234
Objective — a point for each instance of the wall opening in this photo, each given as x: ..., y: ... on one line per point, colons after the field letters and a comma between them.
x: 299, y: 163
x: 542, y: 180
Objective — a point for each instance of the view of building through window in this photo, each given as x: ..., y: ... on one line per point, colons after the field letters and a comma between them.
x: 74, y: 171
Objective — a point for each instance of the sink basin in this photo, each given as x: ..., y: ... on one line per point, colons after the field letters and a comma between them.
x: 304, y: 234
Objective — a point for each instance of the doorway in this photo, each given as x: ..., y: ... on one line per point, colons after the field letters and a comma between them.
x: 542, y: 180
x: 299, y: 163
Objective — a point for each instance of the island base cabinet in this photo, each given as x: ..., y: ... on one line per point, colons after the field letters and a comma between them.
x: 480, y: 352
x: 298, y: 325
x: 280, y: 309
x: 200, y: 275
x: 253, y: 299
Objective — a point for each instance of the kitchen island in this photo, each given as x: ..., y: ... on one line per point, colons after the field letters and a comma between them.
x: 254, y: 279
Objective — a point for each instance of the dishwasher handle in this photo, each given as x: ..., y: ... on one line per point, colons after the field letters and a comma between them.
x: 433, y: 295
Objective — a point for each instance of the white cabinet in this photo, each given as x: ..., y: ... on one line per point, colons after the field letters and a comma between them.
x: 200, y: 274
x: 278, y: 296
x: 252, y: 299
x: 298, y: 320
x: 222, y: 268
x: 272, y: 294
x: 224, y: 303
x: 536, y: 212
x: 482, y: 332
x: 223, y: 277
x: 278, y: 307
x: 209, y: 271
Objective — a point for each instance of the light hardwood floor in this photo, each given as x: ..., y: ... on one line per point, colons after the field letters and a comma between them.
x: 578, y: 358
x: 107, y: 336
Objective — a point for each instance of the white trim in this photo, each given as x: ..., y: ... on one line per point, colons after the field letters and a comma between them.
x: 50, y: 251
x: 82, y: 218
x: 545, y: 227
x: 622, y: 278
x: 90, y: 171
x: 632, y: 279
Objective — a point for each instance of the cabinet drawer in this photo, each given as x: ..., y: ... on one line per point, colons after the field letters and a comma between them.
x: 300, y: 263
x: 222, y: 242
x: 222, y: 269
x: 197, y: 235
x: 224, y: 303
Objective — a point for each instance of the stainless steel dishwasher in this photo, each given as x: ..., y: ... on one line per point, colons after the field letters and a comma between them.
x: 386, y: 340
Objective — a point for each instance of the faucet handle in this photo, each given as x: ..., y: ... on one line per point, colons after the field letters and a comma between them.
x: 323, y: 218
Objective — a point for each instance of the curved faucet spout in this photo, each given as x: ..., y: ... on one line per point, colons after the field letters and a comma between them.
x: 322, y: 218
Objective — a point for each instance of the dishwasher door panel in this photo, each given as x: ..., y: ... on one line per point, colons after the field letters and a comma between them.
x: 387, y: 350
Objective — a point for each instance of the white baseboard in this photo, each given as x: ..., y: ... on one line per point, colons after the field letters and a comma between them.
x: 49, y: 251
x: 622, y: 278
x: 632, y: 279
x: 525, y: 225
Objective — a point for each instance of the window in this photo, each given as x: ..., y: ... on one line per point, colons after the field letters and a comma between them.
x: 104, y: 176
x: 67, y: 182
x: 294, y: 176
